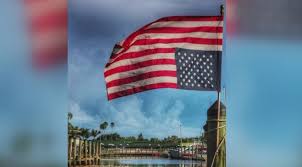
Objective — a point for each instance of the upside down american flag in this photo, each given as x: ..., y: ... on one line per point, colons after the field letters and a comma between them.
x: 182, y: 52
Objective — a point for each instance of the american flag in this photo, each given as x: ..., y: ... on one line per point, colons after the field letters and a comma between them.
x: 47, y: 22
x: 181, y: 52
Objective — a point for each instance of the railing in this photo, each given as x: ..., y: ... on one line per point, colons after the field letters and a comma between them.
x: 89, y: 152
x: 132, y: 152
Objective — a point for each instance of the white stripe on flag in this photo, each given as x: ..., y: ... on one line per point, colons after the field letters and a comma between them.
x: 139, y: 71
x: 132, y: 61
x: 206, y: 35
x: 140, y: 83
x: 136, y: 48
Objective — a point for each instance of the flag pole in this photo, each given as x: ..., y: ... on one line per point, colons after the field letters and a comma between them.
x: 218, y: 95
x: 218, y: 104
x: 218, y: 119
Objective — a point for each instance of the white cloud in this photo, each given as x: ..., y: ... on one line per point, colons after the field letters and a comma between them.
x: 131, y: 117
x: 161, y: 121
x: 79, y: 116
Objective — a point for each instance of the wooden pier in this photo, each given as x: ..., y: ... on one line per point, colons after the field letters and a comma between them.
x: 83, y: 152
x: 89, y: 152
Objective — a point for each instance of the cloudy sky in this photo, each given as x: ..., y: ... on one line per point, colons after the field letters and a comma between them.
x: 261, y: 78
x: 95, y: 26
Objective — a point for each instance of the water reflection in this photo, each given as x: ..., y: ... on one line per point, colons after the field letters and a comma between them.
x: 150, y: 162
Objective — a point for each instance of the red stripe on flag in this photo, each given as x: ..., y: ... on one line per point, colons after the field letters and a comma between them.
x: 139, y: 65
x: 140, y: 77
x: 191, y: 18
x: 172, y: 18
x: 141, y: 89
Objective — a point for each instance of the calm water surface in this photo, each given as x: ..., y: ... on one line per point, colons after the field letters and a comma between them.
x: 160, y: 162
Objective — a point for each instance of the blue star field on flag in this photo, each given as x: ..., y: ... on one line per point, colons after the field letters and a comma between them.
x: 197, y: 69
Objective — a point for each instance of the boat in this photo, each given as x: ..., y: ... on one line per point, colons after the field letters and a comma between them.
x: 175, y: 153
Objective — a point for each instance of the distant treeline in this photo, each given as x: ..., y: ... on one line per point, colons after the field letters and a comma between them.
x: 113, y: 139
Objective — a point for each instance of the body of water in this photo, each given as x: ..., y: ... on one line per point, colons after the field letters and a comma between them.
x: 150, y: 161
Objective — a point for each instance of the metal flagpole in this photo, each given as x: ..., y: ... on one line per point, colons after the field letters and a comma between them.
x: 218, y: 119
x: 218, y: 109
x: 218, y: 96
x: 180, y: 134
x: 216, y: 159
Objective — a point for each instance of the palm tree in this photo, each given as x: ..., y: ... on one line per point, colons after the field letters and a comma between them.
x: 69, y: 116
x: 140, y: 137
x: 103, y: 126
x: 112, y: 126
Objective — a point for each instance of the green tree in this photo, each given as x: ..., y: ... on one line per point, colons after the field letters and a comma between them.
x: 69, y: 116
x: 140, y: 137
x: 116, y: 136
x: 112, y: 124
x: 85, y: 133
x: 103, y: 127
x: 154, y: 140
x: 94, y: 133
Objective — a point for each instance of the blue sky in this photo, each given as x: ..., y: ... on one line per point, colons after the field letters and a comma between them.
x: 95, y: 26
